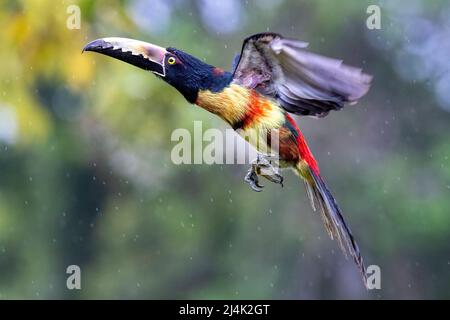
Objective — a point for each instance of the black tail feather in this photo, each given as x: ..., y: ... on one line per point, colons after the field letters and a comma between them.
x: 321, y: 198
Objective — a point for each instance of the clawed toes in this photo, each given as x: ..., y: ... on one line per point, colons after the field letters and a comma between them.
x: 252, y: 179
x: 256, y: 187
x: 262, y: 167
x: 275, y: 178
x: 271, y: 174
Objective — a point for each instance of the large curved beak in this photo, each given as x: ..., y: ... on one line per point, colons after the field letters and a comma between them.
x: 140, y: 54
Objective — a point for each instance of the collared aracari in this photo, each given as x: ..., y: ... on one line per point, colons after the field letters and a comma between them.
x: 272, y: 77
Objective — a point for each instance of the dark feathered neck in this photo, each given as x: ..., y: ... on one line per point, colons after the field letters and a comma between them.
x: 198, y: 76
x: 216, y: 80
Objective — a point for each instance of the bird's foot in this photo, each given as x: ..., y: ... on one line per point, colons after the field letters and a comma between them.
x: 262, y: 166
x: 253, y: 180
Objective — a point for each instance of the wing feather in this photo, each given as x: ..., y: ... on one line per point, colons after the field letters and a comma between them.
x: 304, y: 83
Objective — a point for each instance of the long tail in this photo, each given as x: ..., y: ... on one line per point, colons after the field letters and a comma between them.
x: 321, y: 198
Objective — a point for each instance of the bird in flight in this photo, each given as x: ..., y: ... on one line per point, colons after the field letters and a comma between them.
x: 272, y: 77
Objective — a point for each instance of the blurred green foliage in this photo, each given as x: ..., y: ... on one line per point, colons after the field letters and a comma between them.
x: 86, y: 176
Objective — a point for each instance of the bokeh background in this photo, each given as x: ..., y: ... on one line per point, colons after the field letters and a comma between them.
x: 86, y: 176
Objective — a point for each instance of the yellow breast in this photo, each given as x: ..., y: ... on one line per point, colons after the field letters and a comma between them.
x: 252, y: 114
x: 237, y: 104
x: 229, y: 104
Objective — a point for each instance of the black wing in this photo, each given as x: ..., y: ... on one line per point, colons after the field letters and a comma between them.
x: 303, y: 82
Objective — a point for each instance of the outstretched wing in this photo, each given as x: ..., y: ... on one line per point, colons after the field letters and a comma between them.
x: 303, y: 82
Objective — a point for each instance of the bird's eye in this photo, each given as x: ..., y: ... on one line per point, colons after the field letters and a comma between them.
x: 171, y: 60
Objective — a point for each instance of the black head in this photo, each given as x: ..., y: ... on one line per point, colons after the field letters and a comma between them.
x: 186, y: 73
